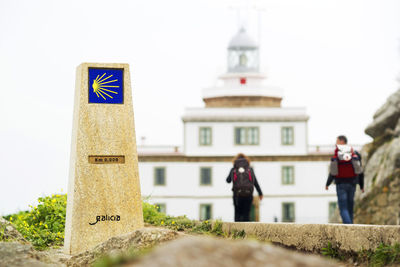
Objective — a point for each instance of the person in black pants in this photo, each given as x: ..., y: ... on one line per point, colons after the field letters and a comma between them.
x: 242, y: 203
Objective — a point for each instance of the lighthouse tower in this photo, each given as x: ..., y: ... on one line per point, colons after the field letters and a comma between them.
x: 243, y: 84
x: 244, y: 113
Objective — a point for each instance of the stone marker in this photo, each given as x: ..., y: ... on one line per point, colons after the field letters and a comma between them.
x: 104, y: 197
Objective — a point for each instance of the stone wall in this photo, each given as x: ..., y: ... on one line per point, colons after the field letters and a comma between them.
x: 315, y: 237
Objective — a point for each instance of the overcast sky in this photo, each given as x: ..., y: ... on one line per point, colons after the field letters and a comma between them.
x: 338, y: 58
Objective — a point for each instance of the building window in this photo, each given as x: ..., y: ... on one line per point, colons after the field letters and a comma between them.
x: 287, y: 175
x: 332, y: 209
x: 287, y: 136
x: 246, y: 136
x: 288, y: 212
x: 243, y: 60
x: 205, y: 136
x: 240, y: 136
x: 252, y: 136
x: 205, y: 176
x: 205, y: 212
x: 161, y: 207
x: 159, y: 176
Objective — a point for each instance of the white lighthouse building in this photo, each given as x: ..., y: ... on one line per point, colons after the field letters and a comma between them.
x: 242, y: 115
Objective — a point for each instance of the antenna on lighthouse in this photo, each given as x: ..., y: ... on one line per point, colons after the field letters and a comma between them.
x: 246, y: 6
x: 238, y: 6
x: 259, y: 10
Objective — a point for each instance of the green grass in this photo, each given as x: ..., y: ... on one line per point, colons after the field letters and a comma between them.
x: 200, y: 228
x: 121, y: 259
x: 3, y: 237
x: 236, y: 234
x: 332, y: 252
x: 384, y: 255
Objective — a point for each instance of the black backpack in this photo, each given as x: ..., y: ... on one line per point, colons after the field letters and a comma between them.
x: 243, y: 182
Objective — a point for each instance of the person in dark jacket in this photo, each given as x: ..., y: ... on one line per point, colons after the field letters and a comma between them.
x: 242, y: 203
x: 346, y: 183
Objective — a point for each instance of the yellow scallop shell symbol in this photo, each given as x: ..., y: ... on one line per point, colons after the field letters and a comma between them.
x: 101, y: 89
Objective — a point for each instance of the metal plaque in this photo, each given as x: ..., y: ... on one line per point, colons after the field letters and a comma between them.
x: 106, y: 159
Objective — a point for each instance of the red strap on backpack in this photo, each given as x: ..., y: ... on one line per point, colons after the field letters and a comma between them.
x: 235, y: 175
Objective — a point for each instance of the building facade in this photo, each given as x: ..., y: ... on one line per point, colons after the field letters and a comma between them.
x: 242, y: 115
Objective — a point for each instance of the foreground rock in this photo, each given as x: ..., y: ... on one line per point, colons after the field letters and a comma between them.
x: 16, y: 251
x: 380, y: 203
x: 21, y: 255
x: 210, y: 252
x: 9, y: 233
x: 139, y: 239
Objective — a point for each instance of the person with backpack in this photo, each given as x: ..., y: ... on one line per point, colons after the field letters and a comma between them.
x: 244, y: 180
x: 346, y: 170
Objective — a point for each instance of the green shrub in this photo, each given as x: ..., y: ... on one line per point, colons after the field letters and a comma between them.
x: 217, y: 228
x: 202, y: 227
x: 43, y: 225
x: 151, y: 215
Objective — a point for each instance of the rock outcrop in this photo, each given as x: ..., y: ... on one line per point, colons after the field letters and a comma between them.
x: 8, y: 232
x: 22, y: 255
x: 380, y: 204
x: 213, y: 252
x: 139, y: 239
x: 15, y: 250
x: 386, y: 118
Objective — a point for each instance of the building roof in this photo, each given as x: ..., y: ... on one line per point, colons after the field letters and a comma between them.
x: 239, y: 90
x: 242, y: 40
x: 274, y: 158
x: 244, y: 114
